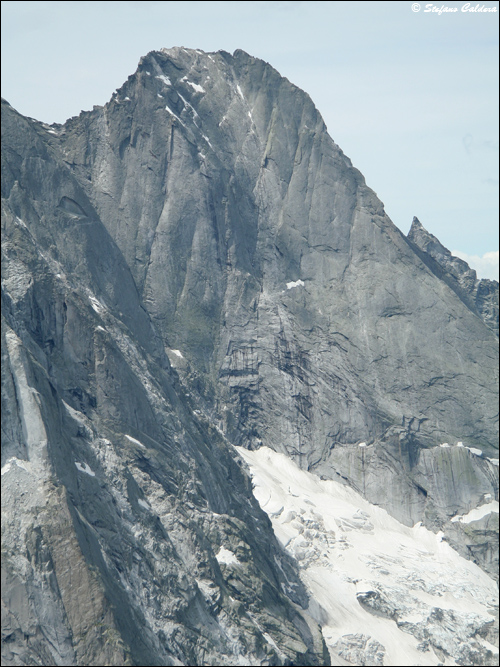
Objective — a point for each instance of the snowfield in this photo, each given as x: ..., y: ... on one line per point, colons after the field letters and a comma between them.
x: 384, y: 593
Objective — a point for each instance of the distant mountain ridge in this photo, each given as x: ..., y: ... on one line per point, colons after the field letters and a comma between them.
x: 481, y: 296
x: 193, y: 266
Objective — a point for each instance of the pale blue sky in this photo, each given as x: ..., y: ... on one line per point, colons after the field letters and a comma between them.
x: 410, y: 97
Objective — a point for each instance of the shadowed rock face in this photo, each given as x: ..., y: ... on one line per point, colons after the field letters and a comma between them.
x: 204, y: 219
x: 118, y: 496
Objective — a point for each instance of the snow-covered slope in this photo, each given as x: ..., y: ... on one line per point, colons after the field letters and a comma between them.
x: 384, y: 593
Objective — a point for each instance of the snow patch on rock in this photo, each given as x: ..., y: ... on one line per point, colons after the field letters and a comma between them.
x: 196, y: 87
x: 207, y: 140
x: 134, y: 441
x: 477, y: 513
x: 297, y: 283
x: 227, y: 557
x: 96, y: 304
x: 14, y: 461
x: 167, y: 108
x: 165, y: 79
x: 85, y: 468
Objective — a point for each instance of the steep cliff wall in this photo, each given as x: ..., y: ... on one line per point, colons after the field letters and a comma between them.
x: 130, y: 534
x: 194, y: 265
x: 306, y: 320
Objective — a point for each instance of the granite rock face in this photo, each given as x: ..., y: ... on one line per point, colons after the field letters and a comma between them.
x: 306, y: 320
x: 481, y: 296
x: 261, y: 255
x: 121, y: 501
x: 194, y: 265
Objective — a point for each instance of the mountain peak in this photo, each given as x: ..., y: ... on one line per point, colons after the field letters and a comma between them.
x: 424, y: 239
x: 481, y: 296
x: 197, y: 267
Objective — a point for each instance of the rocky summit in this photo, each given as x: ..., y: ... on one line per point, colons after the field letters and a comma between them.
x: 191, y: 274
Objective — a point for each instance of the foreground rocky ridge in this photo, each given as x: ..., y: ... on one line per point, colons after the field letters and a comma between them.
x: 119, y: 501
x: 196, y: 265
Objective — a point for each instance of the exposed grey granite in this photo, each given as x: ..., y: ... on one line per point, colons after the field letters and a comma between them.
x: 307, y: 321
x: 118, y: 497
x: 192, y: 265
x: 481, y: 296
